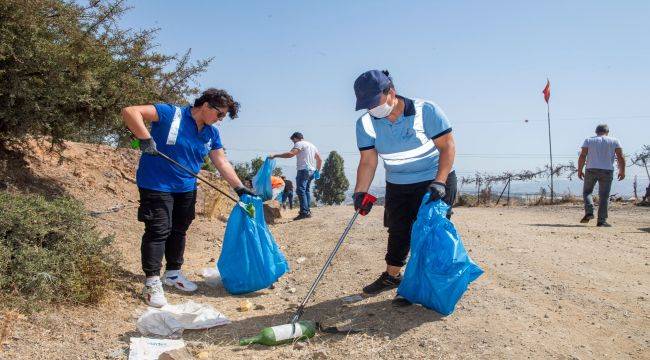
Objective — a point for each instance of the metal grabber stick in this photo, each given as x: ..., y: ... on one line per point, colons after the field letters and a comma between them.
x: 368, y: 199
x: 205, y: 181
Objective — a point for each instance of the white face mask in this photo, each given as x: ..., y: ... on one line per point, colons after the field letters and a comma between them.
x: 382, y: 110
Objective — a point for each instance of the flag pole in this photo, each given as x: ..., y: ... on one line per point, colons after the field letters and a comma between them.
x: 550, y: 148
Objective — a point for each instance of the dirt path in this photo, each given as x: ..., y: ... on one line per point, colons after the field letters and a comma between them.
x: 551, y: 288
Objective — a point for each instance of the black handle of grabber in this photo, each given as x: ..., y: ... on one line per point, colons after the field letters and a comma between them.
x: 196, y: 176
x: 296, y: 316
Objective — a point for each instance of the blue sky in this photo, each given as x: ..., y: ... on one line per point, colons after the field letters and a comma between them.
x: 292, y: 64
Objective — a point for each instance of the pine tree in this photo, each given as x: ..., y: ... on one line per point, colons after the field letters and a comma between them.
x: 331, y: 187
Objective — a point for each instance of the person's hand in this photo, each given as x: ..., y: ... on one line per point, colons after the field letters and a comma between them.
x: 436, y: 191
x: 621, y: 175
x: 271, y: 156
x: 241, y: 190
x: 359, y: 205
x: 148, y: 146
x: 581, y: 175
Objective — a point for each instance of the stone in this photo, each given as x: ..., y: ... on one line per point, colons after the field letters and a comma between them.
x: 116, y: 354
x: 245, y: 305
x: 319, y: 355
x: 271, y: 211
x: 176, y: 354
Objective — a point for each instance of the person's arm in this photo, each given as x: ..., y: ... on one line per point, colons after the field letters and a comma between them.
x: 366, y: 170
x: 135, y: 116
x: 447, y: 148
x: 289, y: 154
x: 581, y: 162
x: 620, y: 160
x: 319, y: 162
x: 220, y: 161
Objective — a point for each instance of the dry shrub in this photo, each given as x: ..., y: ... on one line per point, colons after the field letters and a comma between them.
x: 51, y: 253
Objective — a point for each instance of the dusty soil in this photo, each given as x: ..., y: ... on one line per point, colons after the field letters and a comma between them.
x: 552, y: 287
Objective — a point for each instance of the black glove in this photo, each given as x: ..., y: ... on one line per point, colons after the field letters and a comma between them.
x: 241, y: 190
x: 436, y: 191
x: 363, y: 209
x: 148, y: 146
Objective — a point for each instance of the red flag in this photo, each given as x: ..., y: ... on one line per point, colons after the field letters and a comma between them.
x: 547, y: 90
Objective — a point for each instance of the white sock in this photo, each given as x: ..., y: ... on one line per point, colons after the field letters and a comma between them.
x: 152, y: 280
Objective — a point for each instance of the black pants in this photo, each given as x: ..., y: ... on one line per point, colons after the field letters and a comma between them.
x: 166, y: 217
x: 401, y: 209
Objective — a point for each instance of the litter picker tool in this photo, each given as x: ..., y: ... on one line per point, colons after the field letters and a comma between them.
x: 368, y: 199
x: 249, y: 208
x: 300, y: 330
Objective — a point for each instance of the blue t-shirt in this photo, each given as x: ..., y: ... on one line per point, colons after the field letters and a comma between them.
x: 601, y: 151
x: 406, y: 145
x: 177, y: 136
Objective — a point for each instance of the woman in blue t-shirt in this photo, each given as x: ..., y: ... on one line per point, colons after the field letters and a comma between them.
x: 167, y: 193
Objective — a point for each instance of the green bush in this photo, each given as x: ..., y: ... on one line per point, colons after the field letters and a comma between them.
x: 50, y: 252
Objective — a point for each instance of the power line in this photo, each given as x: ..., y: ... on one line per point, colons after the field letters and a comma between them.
x: 471, y: 122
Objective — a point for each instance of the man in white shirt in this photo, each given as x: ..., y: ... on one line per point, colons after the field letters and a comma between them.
x: 599, y: 152
x: 308, y: 161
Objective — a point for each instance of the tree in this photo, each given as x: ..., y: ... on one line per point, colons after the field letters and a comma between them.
x: 331, y: 187
x: 243, y: 170
x: 66, y: 70
x: 642, y: 159
x: 256, y: 164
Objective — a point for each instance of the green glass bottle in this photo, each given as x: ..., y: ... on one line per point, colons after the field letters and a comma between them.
x: 282, y: 334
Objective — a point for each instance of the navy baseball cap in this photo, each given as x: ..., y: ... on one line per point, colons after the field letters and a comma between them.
x: 368, y: 88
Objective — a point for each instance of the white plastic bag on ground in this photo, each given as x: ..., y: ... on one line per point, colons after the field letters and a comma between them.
x: 150, y: 349
x: 211, y: 276
x: 171, y: 320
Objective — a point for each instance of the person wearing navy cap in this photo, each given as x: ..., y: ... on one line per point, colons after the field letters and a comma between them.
x: 414, y: 139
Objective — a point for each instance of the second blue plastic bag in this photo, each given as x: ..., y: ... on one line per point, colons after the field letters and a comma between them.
x: 439, y: 269
x: 262, y: 180
x: 250, y: 259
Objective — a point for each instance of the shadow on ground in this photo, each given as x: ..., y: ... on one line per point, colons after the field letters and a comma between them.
x: 375, y: 319
x: 16, y: 173
x: 560, y: 225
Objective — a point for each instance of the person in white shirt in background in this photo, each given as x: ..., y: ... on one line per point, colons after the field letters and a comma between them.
x: 599, y: 152
x: 308, y: 161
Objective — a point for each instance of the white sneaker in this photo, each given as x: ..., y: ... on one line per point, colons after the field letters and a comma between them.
x: 154, y: 295
x: 175, y: 278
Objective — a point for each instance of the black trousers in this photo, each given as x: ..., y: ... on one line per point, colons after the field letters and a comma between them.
x: 166, y: 217
x: 401, y: 209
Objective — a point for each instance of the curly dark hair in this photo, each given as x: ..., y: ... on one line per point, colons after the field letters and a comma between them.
x: 218, y: 98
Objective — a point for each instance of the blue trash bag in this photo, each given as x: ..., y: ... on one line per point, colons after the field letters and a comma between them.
x: 439, y: 270
x: 316, y: 175
x: 250, y: 259
x: 262, y: 180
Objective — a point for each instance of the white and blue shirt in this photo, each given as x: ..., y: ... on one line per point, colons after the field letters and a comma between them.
x: 406, y: 145
x: 177, y: 136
